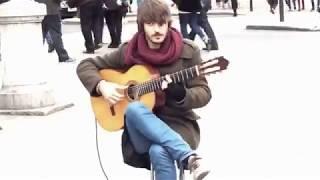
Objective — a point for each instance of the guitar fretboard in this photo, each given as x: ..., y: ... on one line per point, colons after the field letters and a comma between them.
x: 155, y: 84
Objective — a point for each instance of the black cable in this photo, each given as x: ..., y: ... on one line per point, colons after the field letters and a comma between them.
x: 98, y: 151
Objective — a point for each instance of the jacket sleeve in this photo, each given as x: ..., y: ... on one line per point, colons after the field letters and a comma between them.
x: 198, y: 93
x: 88, y: 69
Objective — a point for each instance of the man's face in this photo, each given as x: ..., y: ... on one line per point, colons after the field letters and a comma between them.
x: 155, y: 33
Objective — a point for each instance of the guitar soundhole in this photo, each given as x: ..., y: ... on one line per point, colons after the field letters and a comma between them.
x: 132, y: 94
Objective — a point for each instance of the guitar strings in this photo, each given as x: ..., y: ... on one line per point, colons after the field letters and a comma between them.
x: 147, y: 84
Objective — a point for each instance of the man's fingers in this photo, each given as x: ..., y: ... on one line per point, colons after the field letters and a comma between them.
x: 164, y: 85
x: 168, y: 78
x: 111, y: 101
x: 118, y: 95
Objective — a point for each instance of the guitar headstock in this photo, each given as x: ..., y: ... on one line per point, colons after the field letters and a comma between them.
x: 214, y: 65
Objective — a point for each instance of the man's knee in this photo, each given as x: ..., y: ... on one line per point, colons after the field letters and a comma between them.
x: 134, y: 109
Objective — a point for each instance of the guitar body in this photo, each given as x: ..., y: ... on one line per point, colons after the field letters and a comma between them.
x: 143, y: 82
x: 111, y: 118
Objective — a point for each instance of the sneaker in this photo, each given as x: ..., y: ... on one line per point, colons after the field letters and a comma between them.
x: 113, y: 45
x: 88, y: 52
x: 97, y: 46
x: 210, y: 45
x: 194, y: 165
x: 70, y: 60
x: 272, y: 10
x: 50, y: 49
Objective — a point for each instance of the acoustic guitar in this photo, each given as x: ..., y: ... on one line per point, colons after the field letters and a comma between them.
x: 142, y: 83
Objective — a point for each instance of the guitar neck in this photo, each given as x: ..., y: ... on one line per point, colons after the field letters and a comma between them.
x: 155, y: 84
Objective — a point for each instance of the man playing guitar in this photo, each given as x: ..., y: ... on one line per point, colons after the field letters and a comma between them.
x: 167, y: 131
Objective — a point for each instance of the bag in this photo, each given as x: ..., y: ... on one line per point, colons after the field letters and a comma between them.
x: 130, y: 156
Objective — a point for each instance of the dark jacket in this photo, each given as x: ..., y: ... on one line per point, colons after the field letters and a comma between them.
x: 180, y: 117
x: 113, y: 5
x: 53, y: 6
x: 189, y: 5
x: 206, y: 4
x: 78, y: 3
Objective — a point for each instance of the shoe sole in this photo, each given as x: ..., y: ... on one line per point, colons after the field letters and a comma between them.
x: 202, y: 175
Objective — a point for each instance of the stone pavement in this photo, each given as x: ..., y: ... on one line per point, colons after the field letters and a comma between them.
x: 63, y: 145
x: 293, y: 21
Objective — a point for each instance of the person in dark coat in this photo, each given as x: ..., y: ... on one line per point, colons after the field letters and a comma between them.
x: 91, y: 21
x: 169, y: 132
x: 113, y: 14
x: 317, y: 5
x: 189, y: 14
x: 234, y: 6
x: 205, y: 25
x: 51, y: 29
x: 273, y: 5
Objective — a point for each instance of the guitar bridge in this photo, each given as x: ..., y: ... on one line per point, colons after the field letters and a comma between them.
x: 113, y: 113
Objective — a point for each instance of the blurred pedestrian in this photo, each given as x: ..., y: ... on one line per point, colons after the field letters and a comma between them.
x: 288, y: 2
x: 91, y: 21
x: 312, y: 5
x: 273, y: 5
x: 205, y: 25
x: 300, y: 5
x: 189, y: 14
x: 51, y: 29
x: 234, y: 6
x: 113, y: 14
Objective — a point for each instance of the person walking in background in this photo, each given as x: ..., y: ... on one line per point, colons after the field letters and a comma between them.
x: 312, y: 5
x: 113, y: 14
x: 51, y: 29
x: 300, y: 5
x: 273, y: 5
x: 189, y: 14
x: 288, y: 3
x: 317, y: 7
x: 205, y: 25
x: 234, y: 6
x: 169, y: 133
x: 91, y: 22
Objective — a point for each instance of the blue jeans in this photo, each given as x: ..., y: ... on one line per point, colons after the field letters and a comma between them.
x: 150, y: 134
x: 191, y: 19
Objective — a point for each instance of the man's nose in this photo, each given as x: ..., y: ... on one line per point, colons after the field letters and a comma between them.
x: 156, y: 27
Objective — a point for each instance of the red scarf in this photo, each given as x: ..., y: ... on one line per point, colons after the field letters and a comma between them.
x: 138, y: 51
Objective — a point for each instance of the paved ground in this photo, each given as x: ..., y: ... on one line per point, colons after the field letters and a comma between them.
x: 263, y: 122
